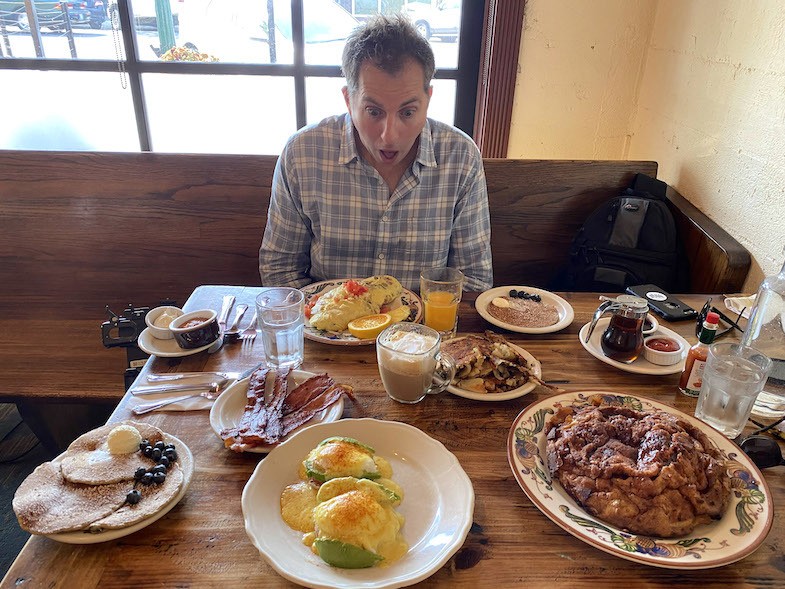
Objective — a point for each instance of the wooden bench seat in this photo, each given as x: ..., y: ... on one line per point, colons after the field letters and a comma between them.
x: 79, y: 231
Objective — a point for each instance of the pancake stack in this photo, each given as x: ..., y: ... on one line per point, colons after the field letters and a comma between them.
x: 88, y: 487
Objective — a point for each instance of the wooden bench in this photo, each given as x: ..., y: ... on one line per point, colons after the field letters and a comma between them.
x: 79, y: 231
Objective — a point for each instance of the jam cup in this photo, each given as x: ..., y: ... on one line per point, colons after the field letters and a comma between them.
x: 195, y: 329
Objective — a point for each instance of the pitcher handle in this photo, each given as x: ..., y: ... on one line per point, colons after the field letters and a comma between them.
x: 597, y: 314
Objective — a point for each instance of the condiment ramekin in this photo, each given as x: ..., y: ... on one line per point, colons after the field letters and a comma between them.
x: 154, y: 314
x: 659, y: 357
x: 195, y: 336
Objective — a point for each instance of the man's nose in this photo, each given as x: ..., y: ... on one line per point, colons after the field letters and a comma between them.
x: 390, y: 130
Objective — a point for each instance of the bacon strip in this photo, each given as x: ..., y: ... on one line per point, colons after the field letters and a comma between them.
x: 295, y: 419
x: 267, y: 418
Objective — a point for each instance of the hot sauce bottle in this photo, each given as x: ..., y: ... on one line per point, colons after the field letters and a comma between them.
x: 692, y: 376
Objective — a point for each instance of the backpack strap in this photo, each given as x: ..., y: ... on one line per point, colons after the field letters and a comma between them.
x: 628, y: 223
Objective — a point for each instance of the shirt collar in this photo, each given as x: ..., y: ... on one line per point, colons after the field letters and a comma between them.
x: 349, y: 153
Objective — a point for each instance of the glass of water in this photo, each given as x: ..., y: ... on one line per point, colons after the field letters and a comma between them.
x: 281, y: 319
x: 733, y: 377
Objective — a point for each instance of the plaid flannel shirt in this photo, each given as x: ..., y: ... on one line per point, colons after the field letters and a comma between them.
x: 332, y: 215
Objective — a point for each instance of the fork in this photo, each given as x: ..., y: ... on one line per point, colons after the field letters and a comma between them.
x: 249, y: 333
x: 210, y: 394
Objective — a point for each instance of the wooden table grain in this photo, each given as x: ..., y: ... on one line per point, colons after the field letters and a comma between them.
x: 202, y: 541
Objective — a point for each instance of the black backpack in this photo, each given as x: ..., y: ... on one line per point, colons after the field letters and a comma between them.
x: 627, y: 241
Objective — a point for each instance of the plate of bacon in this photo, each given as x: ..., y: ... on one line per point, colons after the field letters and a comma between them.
x: 257, y: 413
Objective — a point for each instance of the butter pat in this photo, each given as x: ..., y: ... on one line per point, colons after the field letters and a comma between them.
x: 501, y: 303
x: 123, y: 439
x: 163, y: 320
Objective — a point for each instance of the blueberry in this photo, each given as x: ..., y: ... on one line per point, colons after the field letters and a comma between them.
x: 147, y: 479
x: 156, y: 454
x: 148, y: 451
x: 160, y: 445
x: 536, y: 298
x: 163, y: 461
x: 143, y: 444
x: 159, y: 468
x: 169, y: 447
x: 140, y: 472
x: 133, y: 497
x: 513, y: 293
x: 169, y: 453
x: 159, y: 477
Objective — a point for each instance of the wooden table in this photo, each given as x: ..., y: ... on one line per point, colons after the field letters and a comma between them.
x: 202, y: 541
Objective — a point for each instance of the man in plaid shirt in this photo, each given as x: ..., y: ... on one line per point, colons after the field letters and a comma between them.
x: 382, y: 189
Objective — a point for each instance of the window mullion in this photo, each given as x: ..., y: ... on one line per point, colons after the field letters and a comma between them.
x: 134, y: 75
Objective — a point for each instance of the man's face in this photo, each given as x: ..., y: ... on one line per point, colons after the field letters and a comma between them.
x: 388, y: 112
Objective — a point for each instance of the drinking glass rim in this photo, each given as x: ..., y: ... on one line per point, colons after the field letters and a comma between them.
x: 283, y: 304
x: 410, y: 328
x: 459, y: 276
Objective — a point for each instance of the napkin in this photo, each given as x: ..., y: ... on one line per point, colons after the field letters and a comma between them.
x: 194, y: 403
x: 736, y: 304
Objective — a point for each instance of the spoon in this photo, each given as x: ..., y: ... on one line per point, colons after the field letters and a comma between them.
x: 233, y: 332
x: 763, y: 451
x: 211, y: 393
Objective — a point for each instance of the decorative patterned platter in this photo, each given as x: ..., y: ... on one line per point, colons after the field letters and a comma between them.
x: 438, y: 505
x: 230, y: 405
x: 566, y: 312
x: 535, y: 367
x: 641, y: 365
x: 741, y: 530
x: 344, y: 338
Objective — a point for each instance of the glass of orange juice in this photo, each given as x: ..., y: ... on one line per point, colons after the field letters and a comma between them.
x: 440, y: 290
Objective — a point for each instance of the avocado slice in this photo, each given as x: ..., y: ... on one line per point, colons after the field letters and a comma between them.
x: 345, y: 556
x: 364, y: 447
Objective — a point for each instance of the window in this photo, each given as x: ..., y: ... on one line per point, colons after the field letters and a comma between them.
x: 213, y: 76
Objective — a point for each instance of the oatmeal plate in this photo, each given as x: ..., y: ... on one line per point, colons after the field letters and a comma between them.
x: 344, y: 338
x: 743, y: 527
x: 535, y: 310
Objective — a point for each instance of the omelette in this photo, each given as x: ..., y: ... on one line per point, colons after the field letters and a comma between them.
x: 353, y: 299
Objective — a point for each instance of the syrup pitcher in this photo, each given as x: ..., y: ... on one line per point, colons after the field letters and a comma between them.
x: 623, y: 339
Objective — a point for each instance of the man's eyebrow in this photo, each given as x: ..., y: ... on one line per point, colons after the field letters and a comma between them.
x: 410, y: 101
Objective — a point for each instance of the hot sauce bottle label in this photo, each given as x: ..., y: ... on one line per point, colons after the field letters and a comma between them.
x: 694, y: 382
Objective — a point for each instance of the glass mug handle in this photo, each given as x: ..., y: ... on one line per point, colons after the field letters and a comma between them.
x: 442, y: 374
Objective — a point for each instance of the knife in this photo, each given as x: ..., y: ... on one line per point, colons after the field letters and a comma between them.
x: 184, y: 375
x: 171, y: 388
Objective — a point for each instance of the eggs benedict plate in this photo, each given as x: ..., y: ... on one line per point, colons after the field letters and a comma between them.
x: 440, y: 504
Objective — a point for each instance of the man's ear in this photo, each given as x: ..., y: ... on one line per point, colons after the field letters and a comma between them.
x: 345, y: 91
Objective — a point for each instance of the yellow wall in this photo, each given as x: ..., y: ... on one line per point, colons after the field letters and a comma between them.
x: 697, y: 85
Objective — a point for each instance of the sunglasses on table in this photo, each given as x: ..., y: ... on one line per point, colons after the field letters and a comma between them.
x: 722, y: 330
x: 764, y: 451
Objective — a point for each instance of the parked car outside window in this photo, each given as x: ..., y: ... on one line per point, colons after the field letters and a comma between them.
x: 439, y: 18
x: 50, y: 14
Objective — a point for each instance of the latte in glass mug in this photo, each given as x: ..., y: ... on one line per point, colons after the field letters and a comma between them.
x: 410, y: 362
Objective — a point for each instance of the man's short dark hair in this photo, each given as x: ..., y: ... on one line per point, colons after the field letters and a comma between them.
x: 389, y: 42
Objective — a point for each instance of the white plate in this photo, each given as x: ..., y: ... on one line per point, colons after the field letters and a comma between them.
x: 737, y: 534
x: 186, y: 461
x: 344, y: 338
x: 165, y: 348
x: 566, y: 312
x: 230, y: 405
x: 534, y: 366
x: 641, y: 365
x: 438, y: 505
x: 768, y: 406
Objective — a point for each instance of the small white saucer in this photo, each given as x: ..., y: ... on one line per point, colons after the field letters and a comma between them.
x: 165, y: 348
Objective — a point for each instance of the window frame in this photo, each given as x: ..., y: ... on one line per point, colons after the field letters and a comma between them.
x: 485, y: 75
